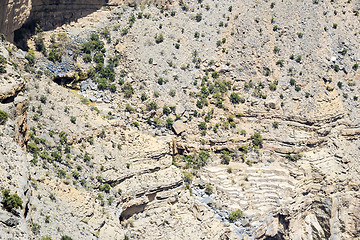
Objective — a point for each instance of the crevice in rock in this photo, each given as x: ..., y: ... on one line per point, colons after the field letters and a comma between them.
x: 131, y: 211
x: 161, y: 189
x: 118, y: 181
x: 11, y: 98
x: 63, y: 81
x: 26, y: 210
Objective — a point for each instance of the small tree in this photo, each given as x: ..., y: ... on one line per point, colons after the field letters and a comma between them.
x: 257, y: 139
x: 11, y: 201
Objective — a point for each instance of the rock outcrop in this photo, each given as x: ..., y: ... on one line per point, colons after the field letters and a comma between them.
x: 13, y: 14
x: 19, y: 18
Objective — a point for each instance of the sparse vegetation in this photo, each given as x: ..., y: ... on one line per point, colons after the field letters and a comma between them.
x: 11, y: 201
x: 235, y: 215
x: 257, y: 139
x: 3, y: 117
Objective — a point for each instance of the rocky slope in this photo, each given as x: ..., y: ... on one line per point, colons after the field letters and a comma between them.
x: 159, y: 122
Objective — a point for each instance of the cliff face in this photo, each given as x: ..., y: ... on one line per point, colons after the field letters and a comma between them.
x: 13, y: 15
x: 19, y: 18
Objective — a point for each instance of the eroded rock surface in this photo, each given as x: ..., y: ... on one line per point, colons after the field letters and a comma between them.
x: 212, y: 107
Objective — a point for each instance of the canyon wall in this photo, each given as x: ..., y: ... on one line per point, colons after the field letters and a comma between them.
x: 13, y: 14
x: 19, y: 18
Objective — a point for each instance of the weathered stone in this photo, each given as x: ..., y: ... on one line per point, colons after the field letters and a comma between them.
x: 179, y: 127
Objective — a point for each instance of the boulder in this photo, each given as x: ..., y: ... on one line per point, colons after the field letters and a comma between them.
x: 179, y: 127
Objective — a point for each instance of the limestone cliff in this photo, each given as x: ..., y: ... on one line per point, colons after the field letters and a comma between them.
x: 22, y: 16
x: 13, y: 14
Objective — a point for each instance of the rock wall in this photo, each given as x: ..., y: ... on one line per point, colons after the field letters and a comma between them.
x: 19, y: 18
x: 13, y: 15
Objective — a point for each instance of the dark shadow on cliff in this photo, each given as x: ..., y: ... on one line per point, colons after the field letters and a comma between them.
x: 51, y: 14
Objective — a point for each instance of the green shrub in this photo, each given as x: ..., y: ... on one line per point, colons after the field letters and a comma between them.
x: 86, y: 157
x: 87, y: 58
x: 169, y: 123
x: 202, y: 126
x: 11, y: 201
x: 188, y: 177
x: 235, y: 98
x: 276, y: 49
x: 159, y: 38
x: 340, y: 84
x: 292, y: 81
x: 257, y: 139
x: 128, y: 90
x: 30, y: 57
x: 86, y: 47
x: 273, y: 85
x: 160, y: 81
x: 57, y: 156
x: 47, y: 237
x: 73, y: 119
x: 43, y: 99
x: 280, y: 63
x: 166, y: 110
x: 143, y: 97
x: 202, y: 158
x: 293, y: 157
x: 3, y: 60
x: 209, y: 189
x: 32, y: 148
x: 172, y: 92
x: 105, y: 188
x: 2, y: 69
x: 65, y: 237
x: 129, y: 108
x: 198, y: 17
x: 63, y: 137
x: 55, y: 55
x: 235, y: 215
x: 355, y: 67
x: 225, y: 158
x: 3, y: 117
x: 112, y: 88
x: 61, y: 173
x: 99, y: 57
x: 151, y: 106
x: 35, y: 228
x: 39, y: 44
